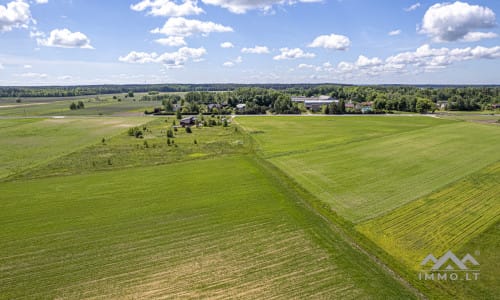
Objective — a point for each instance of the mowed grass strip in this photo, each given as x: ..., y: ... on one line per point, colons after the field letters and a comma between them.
x: 28, y: 143
x: 366, y: 179
x: 284, y: 135
x: 221, y: 228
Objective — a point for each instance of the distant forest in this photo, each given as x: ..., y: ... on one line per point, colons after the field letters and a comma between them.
x: 260, y: 98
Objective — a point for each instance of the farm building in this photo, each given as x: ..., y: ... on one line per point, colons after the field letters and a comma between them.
x: 188, y: 121
x: 314, y: 103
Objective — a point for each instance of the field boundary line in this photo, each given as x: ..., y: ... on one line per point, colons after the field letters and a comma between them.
x: 302, y: 196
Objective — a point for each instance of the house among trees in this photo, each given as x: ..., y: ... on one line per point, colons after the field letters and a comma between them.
x: 366, y: 107
x: 314, y: 103
x: 188, y: 121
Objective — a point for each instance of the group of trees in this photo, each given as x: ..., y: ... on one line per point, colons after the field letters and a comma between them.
x: 258, y: 100
x: 276, y: 98
x: 75, y: 106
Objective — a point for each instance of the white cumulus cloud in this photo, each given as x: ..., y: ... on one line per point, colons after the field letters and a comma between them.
x: 395, y: 32
x: 172, y: 41
x: 168, y: 8
x: 332, y: 41
x: 242, y: 6
x: 175, y: 59
x: 64, y: 38
x: 364, y: 61
x: 477, y: 36
x: 256, y: 50
x: 179, y: 26
x: 232, y: 63
x: 446, y: 22
x: 294, y: 53
x: 15, y: 14
x: 226, y: 45
x: 42, y: 1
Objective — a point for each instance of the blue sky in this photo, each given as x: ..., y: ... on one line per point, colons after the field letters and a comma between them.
x: 64, y: 42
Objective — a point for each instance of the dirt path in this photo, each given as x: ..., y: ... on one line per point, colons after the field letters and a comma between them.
x: 22, y: 105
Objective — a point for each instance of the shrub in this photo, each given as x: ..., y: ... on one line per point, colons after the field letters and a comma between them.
x: 195, y: 142
x: 135, y: 131
x: 170, y: 133
x: 188, y: 129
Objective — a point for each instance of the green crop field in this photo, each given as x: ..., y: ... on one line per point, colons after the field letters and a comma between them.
x: 413, y: 190
x: 362, y: 176
x: 213, y: 228
x: 28, y: 143
x: 437, y: 221
x: 445, y: 220
x: 277, y: 136
x: 268, y: 207
x: 93, y: 107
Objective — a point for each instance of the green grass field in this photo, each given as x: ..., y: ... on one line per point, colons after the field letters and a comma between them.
x: 362, y: 176
x: 269, y: 207
x: 214, y: 228
x: 438, y: 221
x: 93, y: 107
x: 29, y: 143
x: 413, y: 190
x: 124, y: 151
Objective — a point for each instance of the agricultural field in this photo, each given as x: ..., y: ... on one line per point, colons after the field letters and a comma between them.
x: 268, y: 207
x: 153, y: 148
x: 411, y: 191
x: 448, y: 219
x: 213, y: 228
x: 362, y: 177
x: 95, y: 106
x: 284, y: 135
x: 28, y: 143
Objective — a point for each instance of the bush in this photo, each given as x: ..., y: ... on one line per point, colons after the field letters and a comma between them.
x: 195, y: 142
x: 135, y: 131
x: 170, y: 133
x: 188, y: 129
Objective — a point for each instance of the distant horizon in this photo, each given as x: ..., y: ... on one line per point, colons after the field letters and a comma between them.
x: 256, y: 84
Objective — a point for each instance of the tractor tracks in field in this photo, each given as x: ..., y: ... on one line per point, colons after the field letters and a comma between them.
x: 308, y: 201
x: 303, y: 195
